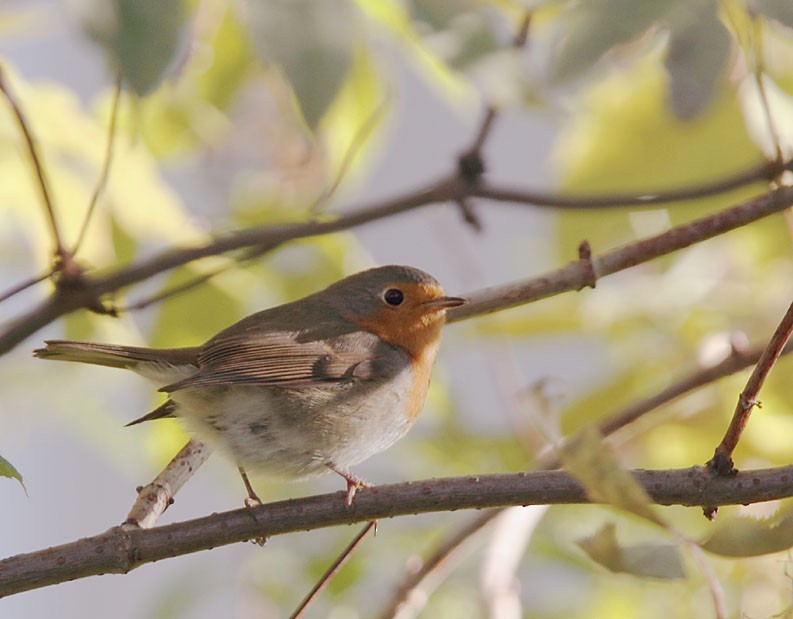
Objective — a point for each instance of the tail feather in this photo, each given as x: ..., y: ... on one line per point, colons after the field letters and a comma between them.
x: 114, y: 356
x: 166, y: 409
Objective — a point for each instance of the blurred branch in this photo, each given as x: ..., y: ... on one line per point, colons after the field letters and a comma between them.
x: 36, y: 160
x: 23, y: 285
x: 88, y: 291
x: 440, y: 558
x: 108, y: 160
x: 123, y: 548
x: 333, y: 569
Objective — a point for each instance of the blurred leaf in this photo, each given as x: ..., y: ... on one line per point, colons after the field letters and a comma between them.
x: 780, y: 107
x: 7, y: 470
x: 192, y: 317
x: 623, y: 138
x: 455, y: 31
x: 312, y: 43
x: 354, y: 117
x: 697, y: 54
x: 587, y: 458
x: 643, y: 560
x: 780, y: 10
x: 588, y: 30
x: 743, y: 536
x: 231, y: 63
x: 141, y: 37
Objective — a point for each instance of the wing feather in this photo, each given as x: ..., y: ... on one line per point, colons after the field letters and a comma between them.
x: 282, y: 359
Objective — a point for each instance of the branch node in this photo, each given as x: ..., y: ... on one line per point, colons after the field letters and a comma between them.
x: 471, y: 167
x: 721, y: 464
x: 469, y: 216
x: 585, y: 257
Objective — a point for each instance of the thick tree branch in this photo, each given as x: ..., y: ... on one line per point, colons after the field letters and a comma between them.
x: 123, y: 548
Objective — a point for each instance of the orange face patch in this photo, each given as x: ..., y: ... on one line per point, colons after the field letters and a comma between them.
x: 414, y: 325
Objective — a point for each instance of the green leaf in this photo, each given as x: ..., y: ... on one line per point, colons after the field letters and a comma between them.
x: 141, y: 37
x: 311, y: 42
x: 779, y: 10
x: 587, y: 458
x: 743, y: 536
x: 644, y: 560
x: 8, y: 470
x: 590, y: 29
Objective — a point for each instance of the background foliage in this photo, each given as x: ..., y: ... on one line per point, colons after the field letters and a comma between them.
x: 271, y: 111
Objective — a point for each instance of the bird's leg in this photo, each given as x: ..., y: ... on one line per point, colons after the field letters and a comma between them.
x: 353, y: 482
x: 252, y: 500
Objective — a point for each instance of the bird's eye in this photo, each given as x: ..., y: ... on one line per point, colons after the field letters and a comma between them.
x: 393, y: 296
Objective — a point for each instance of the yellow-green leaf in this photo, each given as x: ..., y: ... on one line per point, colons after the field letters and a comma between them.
x: 8, y: 470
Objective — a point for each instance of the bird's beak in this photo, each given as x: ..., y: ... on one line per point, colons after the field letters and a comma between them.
x: 442, y: 303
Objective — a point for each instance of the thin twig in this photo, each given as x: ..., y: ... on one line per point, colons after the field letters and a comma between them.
x: 764, y: 172
x: 491, y: 112
x: 722, y: 458
x: 105, y: 173
x: 333, y: 569
x: 358, y: 140
x: 123, y: 548
x: 24, y: 285
x: 36, y: 160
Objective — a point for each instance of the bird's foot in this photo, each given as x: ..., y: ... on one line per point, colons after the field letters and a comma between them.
x: 353, y: 483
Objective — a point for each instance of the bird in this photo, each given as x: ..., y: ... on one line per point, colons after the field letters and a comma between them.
x: 315, y: 385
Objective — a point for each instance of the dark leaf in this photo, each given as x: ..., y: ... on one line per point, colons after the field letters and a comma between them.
x: 590, y: 29
x: 140, y: 36
x: 311, y: 42
x: 699, y: 47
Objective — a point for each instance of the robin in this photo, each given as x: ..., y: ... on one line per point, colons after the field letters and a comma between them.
x: 318, y: 384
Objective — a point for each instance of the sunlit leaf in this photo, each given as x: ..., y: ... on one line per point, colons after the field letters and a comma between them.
x: 644, y: 560
x: 312, y: 43
x: 8, y: 470
x: 587, y: 458
x: 624, y: 139
x: 744, y: 536
x: 780, y: 10
x: 141, y: 37
x: 697, y: 54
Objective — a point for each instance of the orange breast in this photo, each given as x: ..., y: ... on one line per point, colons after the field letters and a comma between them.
x: 421, y: 370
